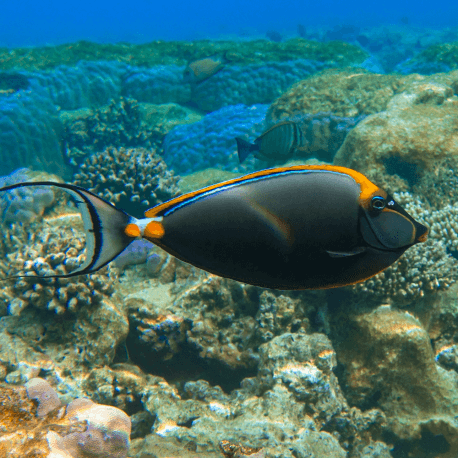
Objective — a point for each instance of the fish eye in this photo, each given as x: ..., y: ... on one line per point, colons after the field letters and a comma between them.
x: 378, y: 203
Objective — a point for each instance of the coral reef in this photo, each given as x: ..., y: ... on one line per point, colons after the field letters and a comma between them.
x: 29, y: 131
x: 387, y: 361
x: 133, y: 179
x: 207, y: 366
x: 118, y: 124
x: 202, y: 178
x: 86, y: 84
x: 23, y: 205
x: 347, y: 93
x: 82, y: 429
x: 416, y: 129
x: 159, y: 84
x: 41, y: 391
x: 438, y: 186
x: 210, y: 142
x: 89, y: 75
x: 440, y: 57
x: 252, y: 84
x: 12, y: 82
x: 282, y: 408
x: 166, y: 116
x: 183, y: 333
x: 53, y: 247
x: 178, y: 53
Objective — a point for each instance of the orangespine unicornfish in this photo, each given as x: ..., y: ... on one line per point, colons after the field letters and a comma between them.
x: 199, y: 70
x: 301, y: 227
x: 277, y: 143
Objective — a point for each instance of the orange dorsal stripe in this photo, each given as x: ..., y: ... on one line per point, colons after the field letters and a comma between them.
x: 367, y: 187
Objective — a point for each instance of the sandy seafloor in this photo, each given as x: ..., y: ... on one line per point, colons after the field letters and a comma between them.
x: 174, y: 361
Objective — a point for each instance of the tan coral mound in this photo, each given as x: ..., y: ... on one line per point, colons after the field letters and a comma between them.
x: 349, y: 92
x: 418, y: 128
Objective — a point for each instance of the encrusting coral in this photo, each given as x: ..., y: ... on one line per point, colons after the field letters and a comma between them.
x: 133, y: 179
x: 46, y: 429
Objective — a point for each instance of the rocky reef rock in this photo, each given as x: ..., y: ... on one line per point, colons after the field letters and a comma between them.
x: 329, y: 104
x: 417, y: 129
x: 388, y: 362
x: 349, y: 92
x: 293, y: 407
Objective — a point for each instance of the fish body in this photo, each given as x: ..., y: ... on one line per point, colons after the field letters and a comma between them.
x: 302, y: 227
x: 277, y: 143
x: 199, y: 70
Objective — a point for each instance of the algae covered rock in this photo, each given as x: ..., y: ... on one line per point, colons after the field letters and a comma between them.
x: 388, y: 361
x: 348, y: 92
x: 329, y: 104
x: 417, y: 129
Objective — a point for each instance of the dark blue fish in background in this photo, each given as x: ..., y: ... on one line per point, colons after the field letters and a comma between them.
x: 302, y: 227
x: 276, y: 144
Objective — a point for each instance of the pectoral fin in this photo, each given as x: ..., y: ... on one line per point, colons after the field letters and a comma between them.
x: 345, y: 254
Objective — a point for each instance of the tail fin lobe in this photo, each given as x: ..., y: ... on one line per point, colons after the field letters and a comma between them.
x: 244, y: 149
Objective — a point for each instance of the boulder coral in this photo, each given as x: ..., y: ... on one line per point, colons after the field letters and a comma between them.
x: 27, y: 204
x: 30, y: 131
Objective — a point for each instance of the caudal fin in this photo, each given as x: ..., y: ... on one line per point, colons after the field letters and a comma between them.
x: 244, y: 148
x: 104, y: 225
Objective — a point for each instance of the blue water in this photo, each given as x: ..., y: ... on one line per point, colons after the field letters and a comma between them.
x: 31, y: 23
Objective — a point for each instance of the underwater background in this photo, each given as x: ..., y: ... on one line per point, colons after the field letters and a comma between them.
x: 151, y: 357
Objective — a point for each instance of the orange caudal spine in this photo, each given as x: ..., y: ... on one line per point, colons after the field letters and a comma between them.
x: 367, y: 187
x: 132, y: 230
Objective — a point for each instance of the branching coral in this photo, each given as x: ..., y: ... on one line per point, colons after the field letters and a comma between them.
x: 133, y: 179
x: 118, y: 125
x: 50, y: 249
